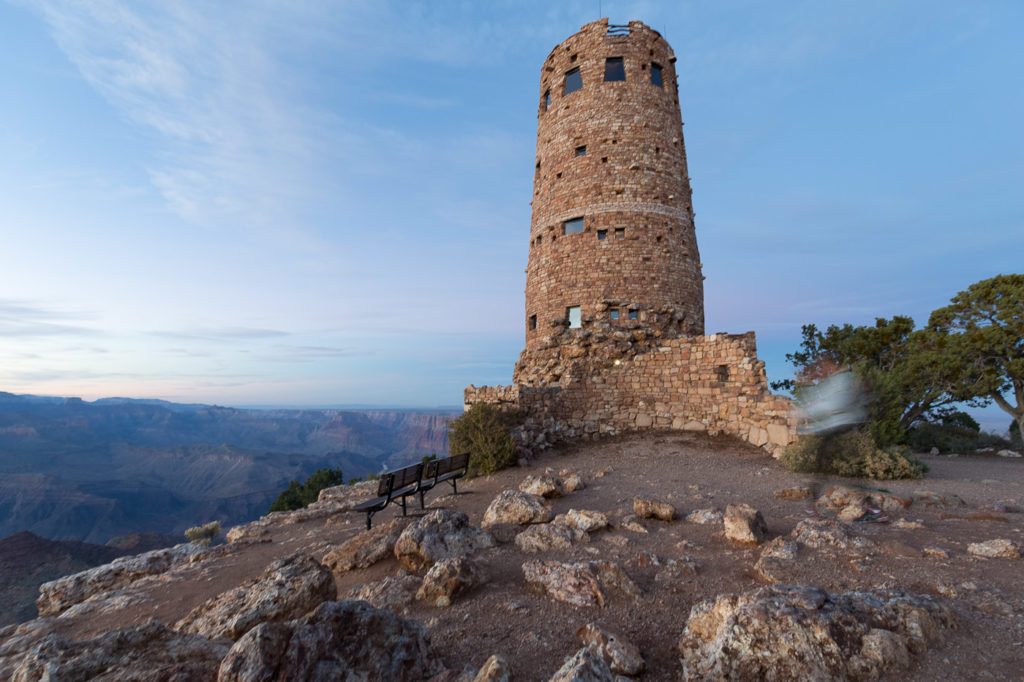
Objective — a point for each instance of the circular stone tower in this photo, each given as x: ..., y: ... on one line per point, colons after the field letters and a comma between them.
x: 612, y: 242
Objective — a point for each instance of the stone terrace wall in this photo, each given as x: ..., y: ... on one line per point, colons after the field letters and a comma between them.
x: 705, y: 383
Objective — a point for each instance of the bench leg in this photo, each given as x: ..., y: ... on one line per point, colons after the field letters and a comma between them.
x: 421, y: 501
x: 403, y: 507
x: 369, y: 515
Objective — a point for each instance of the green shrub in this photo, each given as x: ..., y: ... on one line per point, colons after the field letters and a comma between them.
x: 954, y: 432
x: 483, y: 431
x: 204, y: 535
x: 853, y: 454
x: 299, y: 495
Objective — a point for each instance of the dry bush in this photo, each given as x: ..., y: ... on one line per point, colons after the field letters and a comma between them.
x: 853, y: 454
x: 204, y: 534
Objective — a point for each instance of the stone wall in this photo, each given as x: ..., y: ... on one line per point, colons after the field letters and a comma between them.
x: 705, y: 383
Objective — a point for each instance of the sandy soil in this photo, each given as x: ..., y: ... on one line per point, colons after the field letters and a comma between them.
x: 692, y: 472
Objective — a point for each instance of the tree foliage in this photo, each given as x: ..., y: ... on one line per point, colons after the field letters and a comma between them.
x: 483, y: 431
x: 298, y: 495
x: 986, y: 326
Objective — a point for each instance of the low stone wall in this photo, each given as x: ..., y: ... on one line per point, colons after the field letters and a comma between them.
x: 706, y: 383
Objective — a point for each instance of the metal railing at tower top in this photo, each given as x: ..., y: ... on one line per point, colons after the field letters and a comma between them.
x: 618, y: 30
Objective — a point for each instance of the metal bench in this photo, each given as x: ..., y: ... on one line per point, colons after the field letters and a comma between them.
x: 449, y: 469
x: 393, y: 485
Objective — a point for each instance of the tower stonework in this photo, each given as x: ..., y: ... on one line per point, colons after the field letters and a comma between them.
x: 614, y: 288
x: 612, y: 227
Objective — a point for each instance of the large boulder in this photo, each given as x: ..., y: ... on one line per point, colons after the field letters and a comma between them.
x: 542, y: 485
x: 441, y: 534
x: 515, y: 506
x: 340, y: 640
x: 620, y: 654
x: 583, y: 519
x: 547, y: 536
x: 650, y: 508
x: 776, y: 560
x: 145, y: 653
x: 827, y: 534
x: 392, y: 593
x: 585, y: 584
x: 287, y: 588
x: 449, y: 577
x: 744, y: 524
x: 788, y: 632
x: 366, y: 548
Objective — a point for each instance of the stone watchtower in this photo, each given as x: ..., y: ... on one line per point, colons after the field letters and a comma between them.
x: 612, y: 240
x: 614, y: 290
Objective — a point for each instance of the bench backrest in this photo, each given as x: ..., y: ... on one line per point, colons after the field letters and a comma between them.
x: 407, y: 476
x: 440, y: 467
x: 386, y: 484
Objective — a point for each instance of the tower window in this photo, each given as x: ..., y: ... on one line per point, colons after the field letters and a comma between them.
x: 572, y: 313
x: 602, y: 234
x: 573, y: 80
x: 614, y: 69
x: 581, y: 150
x: 722, y: 372
x: 656, y: 75
x: 632, y: 314
x: 532, y: 322
x: 620, y: 233
x: 547, y: 99
x: 613, y: 315
x: 572, y: 226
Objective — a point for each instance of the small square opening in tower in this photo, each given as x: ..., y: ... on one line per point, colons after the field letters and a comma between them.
x: 581, y: 150
x: 572, y: 226
x: 656, y: 75
x: 633, y: 314
x: 613, y: 314
x: 614, y: 69
x: 722, y: 373
x: 572, y: 313
x: 620, y: 233
x: 532, y: 322
x: 573, y: 80
x: 602, y: 234
x: 547, y: 99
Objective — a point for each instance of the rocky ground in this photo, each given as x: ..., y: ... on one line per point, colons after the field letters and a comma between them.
x: 659, y: 556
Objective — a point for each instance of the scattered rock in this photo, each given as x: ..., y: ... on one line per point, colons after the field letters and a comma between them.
x: 840, y: 496
x: 705, y: 516
x: 449, y: 577
x: 1008, y: 453
x: 495, y: 669
x: 573, y: 482
x: 392, y: 593
x: 515, y: 506
x: 796, y: 632
x: 1000, y: 548
x: 850, y: 513
x: 776, y: 560
x: 441, y: 534
x: 144, y: 652
x: 620, y: 655
x: 584, y: 666
x: 744, y: 524
x: 340, y: 640
x: 649, y: 508
x: 796, y: 493
x: 366, y: 548
x: 676, y: 569
x: 933, y: 499
x: 583, y: 519
x: 630, y: 523
x: 547, y: 536
x: 826, y: 534
x: 935, y: 552
x: 57, y: 595
x: 542, y: 485
x: 904, y: 524
x: 584, y: 584
x: 288, y: 588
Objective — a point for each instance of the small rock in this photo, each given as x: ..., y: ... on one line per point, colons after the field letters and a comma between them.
x: 936, y: 552
x: 675, y: 570
x: 584, y: 666
x: 776, y: 561
x: 515, y: 506
x: 705, y: 516
x: 573, y: 482
x: 1000, y: 548
x: 796, y: 493
x: 649, y: 508
x: 439, y: 535
x: 583, y: 519
x: 543, y: 485
x: 1008, y: 453
x: 366, y: 548
x: 826, y: 534
x: 392, y: 593
x: 933, y: 499
x: 449, y: 577
x: 495, y: 669
x: 850, y: 512
x: 547, y: 536
x: 744, y: 524
x: 584, y: 584
x: 620, y: 655
x: 907, y: 525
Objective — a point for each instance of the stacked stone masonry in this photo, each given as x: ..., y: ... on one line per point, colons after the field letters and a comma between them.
x: 611, y: 153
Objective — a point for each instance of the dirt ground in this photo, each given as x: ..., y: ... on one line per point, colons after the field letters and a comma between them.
x: 692, y: 471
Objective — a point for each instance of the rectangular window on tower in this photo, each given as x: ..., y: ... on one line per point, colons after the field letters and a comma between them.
x: 573, y: 80
x: 602, y: 234
x: 613, y: 314
x: 572, y: 313
x: 632, y: 314
x: 572, y: 226
x: 620, y: 233
x: 532, y: 322
x: 656, y: 75
x: 581, y: 150
x: 547, y: 99
x: 614, y: 69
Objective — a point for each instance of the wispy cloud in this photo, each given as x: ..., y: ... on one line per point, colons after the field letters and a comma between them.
x: 220, y: 334
x: 24, y: 319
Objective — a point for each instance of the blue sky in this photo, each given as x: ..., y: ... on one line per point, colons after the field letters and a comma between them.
x: 311, y: 203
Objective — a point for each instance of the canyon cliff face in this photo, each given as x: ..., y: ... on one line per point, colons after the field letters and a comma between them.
x: 74, y: 470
